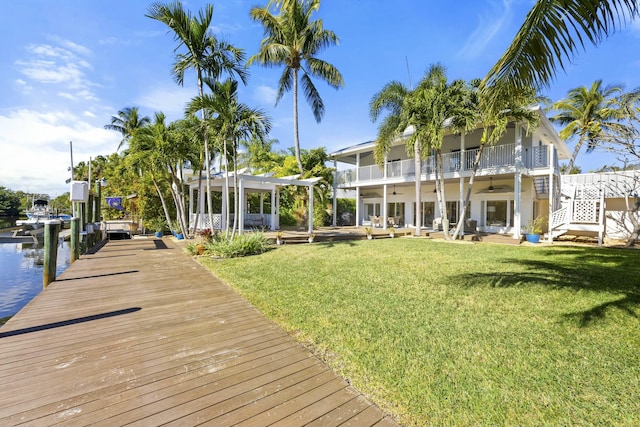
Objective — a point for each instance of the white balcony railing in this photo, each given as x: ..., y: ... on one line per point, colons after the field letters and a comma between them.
x: 492, y: 157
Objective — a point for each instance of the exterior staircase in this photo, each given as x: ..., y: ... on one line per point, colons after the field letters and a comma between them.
x: 581, y: 210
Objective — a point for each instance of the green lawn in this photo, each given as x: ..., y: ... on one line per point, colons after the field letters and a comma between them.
x: 463, y: 334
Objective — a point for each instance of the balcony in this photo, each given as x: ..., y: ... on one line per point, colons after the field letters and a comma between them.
x: 493, y: 157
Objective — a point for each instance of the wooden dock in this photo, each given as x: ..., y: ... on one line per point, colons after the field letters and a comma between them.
x: 140, y: 334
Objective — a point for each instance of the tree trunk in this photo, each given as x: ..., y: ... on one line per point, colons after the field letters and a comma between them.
x: 417, y: 152
x: 576, y: 150
x: 632, y: 210
x: 236, y: 202
x: 207, y: 155
x: 441, y: 195
x: 467, y: 196
x: 226, y: 181
x: 196, y: 220
x: 296, y: 137
x: 163, y: 202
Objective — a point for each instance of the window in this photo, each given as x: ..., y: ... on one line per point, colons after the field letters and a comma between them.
x: 428, y: 210
x: 453, y: 210
x: 496, y: 213
x: 396, y: 210
x: 371, y: 209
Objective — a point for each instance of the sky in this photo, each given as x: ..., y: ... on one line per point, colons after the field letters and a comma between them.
x: 69, y: 65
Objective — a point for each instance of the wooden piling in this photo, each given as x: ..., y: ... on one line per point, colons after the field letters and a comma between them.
x: 51, y: 230
x: 75, y: 239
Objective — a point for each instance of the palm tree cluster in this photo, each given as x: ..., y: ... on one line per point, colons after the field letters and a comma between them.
x: 420, y: 117
x: 292, y: 40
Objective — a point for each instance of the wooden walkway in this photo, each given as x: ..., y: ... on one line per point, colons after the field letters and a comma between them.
x: 140, y: 334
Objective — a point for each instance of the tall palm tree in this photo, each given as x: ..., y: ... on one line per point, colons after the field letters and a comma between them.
x: 517, y: 108
x: 552, y: 34
x: 207, y: 55
x: 234, y: 122
x: 593, y: 115
x: 434, y: 103
x: 293, y: 39
x: 423, y: 111
x: 126, y: 122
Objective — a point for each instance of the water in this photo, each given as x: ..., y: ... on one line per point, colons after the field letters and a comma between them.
x: 21, y: 270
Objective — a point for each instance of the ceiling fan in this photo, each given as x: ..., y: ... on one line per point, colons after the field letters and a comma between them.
x: 499, y: 189
x: 394, y: 191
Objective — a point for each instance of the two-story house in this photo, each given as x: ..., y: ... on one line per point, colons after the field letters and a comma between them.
x: 517, y: 180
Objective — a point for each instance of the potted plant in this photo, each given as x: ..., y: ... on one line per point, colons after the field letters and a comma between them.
x: 392, y: 232
x: 369, y: 232
x: 311, y: 237
x: 157, y: 224
x: 279, y: 238
x: 534, y: 229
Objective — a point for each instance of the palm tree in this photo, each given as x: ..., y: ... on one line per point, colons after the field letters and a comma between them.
x: 160, y: 150
x: 514, y: 108
x: 207, y: 55
x: 422, y: 112
x: 293, y: 39
x: 126, y: 122
x: 551, y: 35
x: 593, y: 115
x: 234, y: 122
x: 434, y: 104
x: 391, y: 100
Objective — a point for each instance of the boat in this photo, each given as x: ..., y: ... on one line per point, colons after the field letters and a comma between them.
x: 39, y: 212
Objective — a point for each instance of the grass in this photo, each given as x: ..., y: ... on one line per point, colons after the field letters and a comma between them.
x: 463, y: 334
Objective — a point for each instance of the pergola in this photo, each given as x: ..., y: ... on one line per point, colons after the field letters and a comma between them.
x: 264, y: 184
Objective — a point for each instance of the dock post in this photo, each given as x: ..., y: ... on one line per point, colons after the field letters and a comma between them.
x: 51, y: 229
x: 75, y: 239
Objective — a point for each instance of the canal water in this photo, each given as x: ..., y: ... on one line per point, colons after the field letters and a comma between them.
x: 21, y: 270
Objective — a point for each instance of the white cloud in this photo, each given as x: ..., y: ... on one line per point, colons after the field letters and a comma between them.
x: 89, y: 114
x: 488, y: 28
x: 36, y: 148
x: 171, y: 100
x: 266, y: 95
x: 63, y: 66
x: 26, y: 88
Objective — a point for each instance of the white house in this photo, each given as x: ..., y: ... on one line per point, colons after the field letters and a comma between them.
x: 518, y: 179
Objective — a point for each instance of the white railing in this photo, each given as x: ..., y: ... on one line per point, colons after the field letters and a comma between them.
x: 492, y: 157
x: 558, y: 218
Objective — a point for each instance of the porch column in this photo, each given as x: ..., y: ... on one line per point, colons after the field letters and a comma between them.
x: 191, y: 211
x: 358, y: 201
x: 241, y: 206
x: 273, y: 209
x: 278, y: 208
x: 384, y: 166
x: 335, y: 193
x: 385, y: 213
x: 310, y: 221
x: 517, y: 185
x: 223, y: 214
x: 463, y: 154
x: 551, y: 192
x: 461, y: 202
x: 261, y: 204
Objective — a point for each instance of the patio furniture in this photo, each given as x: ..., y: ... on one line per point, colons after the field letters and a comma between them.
x: 376, y: 221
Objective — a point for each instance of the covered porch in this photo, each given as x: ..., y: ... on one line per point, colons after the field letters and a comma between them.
x: 266, y: 215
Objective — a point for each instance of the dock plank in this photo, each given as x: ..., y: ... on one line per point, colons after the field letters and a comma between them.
x: 140, y: 334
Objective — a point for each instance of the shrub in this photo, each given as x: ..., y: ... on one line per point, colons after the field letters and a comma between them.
x: 246, y: 244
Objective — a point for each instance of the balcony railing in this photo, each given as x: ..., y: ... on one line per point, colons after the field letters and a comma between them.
x: 492, y: 157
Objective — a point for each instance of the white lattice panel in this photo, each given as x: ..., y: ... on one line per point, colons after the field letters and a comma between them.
x: 585, y: 211
x: 588, y: 192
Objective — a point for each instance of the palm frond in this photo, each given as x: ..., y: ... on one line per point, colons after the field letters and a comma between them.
x: 551, y: 35
x: 312, y: 96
